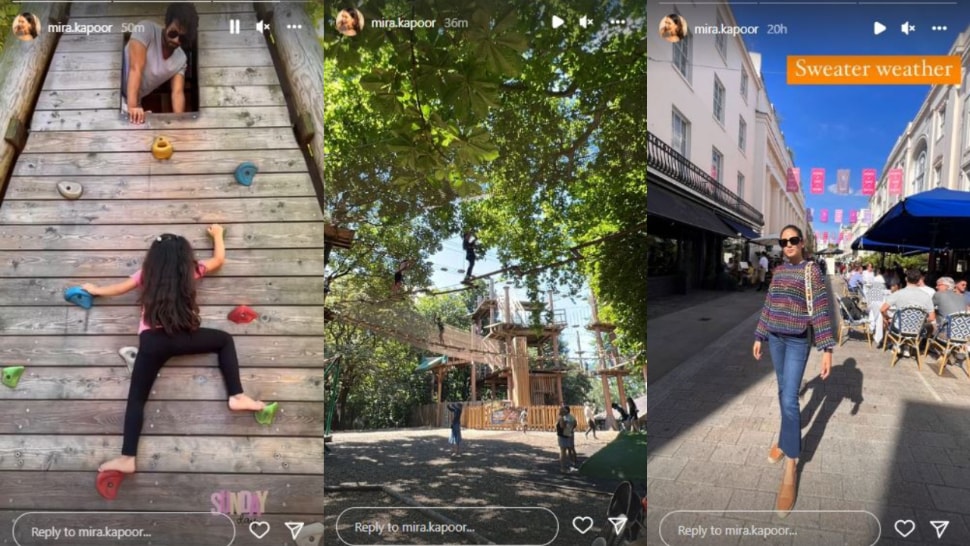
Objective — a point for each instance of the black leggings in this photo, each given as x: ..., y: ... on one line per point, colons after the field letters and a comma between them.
x: 155, y: 348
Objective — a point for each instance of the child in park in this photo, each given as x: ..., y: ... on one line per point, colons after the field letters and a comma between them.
x: 565, y: 429
x: 524, y: 419
x: 588, y: 412
x: 455, y: 438
x: 171, y: 326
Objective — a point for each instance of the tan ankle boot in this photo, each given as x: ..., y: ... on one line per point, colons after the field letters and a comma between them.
x: 786, y: 494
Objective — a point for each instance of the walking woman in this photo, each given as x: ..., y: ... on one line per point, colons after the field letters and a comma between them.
x: 795, y: 311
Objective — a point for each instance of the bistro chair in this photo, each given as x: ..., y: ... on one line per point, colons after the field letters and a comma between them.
x: 852, y: 318
x: 956, y: 328
x: 905, y: 330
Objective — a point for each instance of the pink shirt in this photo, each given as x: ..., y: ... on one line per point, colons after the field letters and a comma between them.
x: 136, y: 276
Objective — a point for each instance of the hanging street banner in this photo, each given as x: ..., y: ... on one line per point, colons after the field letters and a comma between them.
x: 825, y: 237
x: 842, y: 181
x: 868, y: 181
x: 853, y: 216
x: 895, y: 181
x: 838, y: 216
x: 866, y: 216
x: 823, y: 216
x: 794, y: 179
x: 818, y: 181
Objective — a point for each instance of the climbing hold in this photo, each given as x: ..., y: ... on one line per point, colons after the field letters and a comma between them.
x: 129, y: 354
x: 108, y: 483
x: 310, y: 535
x: 70, y: 190
x: 243, y: 315
x: 162, y: 148
x: 265, y: 416
x: 79, y: 296
x: 11, y: 376
x: 245, y: 173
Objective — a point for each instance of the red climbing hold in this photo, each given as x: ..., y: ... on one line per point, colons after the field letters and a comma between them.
x: 108, y: 483
x: 243, y: 315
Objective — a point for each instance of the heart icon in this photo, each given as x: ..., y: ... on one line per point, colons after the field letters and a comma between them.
x: 259, y: 529
x: 905, y: 526
x: 583, y: 525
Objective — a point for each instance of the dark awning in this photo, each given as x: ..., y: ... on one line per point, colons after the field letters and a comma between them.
x: 664, y: 203
x: 739, y: 228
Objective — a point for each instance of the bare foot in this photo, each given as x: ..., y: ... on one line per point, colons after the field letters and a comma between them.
x: 123, y: 464
x: 241, y: 402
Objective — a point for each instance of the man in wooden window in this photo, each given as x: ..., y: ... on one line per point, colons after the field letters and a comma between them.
x: 155, y: 56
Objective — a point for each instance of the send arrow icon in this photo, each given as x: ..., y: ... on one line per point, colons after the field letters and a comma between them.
x: 940, y: 527
x: 618, y: 523
x: 295, y: 527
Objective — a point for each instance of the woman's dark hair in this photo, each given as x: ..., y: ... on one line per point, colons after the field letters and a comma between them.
x: 185, y: 14
x: 356, y: 17
x: 31, y: 23
x: 797, y: 229
x: 679, y: 21
x: 168, y: 285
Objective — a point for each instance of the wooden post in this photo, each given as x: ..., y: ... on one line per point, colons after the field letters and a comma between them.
x: 507, y: 308
x: 474, y: 382
x: 300, y: 61
x: 605, y: 379
x: 439, y: 385
x: 521, y: 396
x: 22, y: 71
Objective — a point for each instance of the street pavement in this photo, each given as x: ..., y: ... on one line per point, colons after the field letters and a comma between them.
x: 886, y: 450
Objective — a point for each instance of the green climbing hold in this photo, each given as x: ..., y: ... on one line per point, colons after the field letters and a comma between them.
x: 266, y: 415
x: 11, y: 376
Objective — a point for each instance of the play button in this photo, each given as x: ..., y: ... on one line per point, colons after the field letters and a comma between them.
x: 878, y: 28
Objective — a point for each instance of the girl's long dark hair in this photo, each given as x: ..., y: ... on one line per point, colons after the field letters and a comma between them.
x: 168, y: 285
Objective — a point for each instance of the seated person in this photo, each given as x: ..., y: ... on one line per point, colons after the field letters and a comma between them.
x: 855, y: 280
x: 947, y: 300
x: 155, y: 56
x: 911, y: 296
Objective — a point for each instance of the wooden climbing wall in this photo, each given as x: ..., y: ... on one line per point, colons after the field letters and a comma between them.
x: 65, y: 416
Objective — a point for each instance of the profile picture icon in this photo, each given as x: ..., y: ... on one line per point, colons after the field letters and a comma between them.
x: 26, y: 26
x: 350, y: 21
x: 673, y: 28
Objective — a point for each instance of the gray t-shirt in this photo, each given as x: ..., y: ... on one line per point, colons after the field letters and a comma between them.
x: 948, y: 302
x: 911, y: 296
x: 157, y: 69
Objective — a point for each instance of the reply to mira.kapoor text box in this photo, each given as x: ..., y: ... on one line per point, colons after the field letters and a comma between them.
x: 873, y: 70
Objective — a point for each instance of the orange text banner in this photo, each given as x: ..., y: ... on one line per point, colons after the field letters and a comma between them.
x: 873, y: 69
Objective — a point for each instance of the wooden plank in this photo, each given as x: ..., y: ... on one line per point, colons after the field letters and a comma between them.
x: 195, y: 140
x: 161, y: 418
x: 295, y: 209
x: 113, y: 42
x: 159, y: 187
x: 82, y: 350
x: 107, y: 264
x: 215, y: 290
x: 173, y: 383
x: 106, y: 60
x: 135, y: 163
x: 276, y: 455
x: 206, y: 118
x: 139, y: 237
x: 111, y: 79
x: 94, y: 99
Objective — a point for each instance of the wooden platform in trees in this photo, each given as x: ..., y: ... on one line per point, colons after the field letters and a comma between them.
x: 65, y: 416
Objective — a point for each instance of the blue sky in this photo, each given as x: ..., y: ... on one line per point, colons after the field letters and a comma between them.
x: 844, y: 127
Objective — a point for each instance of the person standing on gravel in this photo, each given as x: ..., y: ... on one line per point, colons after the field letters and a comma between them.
x: 590, y: 420
x: 565, y: 429
x: 455, y: 438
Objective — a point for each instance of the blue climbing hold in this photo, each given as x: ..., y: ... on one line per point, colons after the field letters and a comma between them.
x: 245, y: 173
x: 79, y: 296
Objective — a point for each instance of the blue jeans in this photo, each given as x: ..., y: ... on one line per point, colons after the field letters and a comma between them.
x: 789, y: 354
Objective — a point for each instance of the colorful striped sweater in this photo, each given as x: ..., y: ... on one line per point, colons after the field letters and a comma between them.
x: 785, y: 310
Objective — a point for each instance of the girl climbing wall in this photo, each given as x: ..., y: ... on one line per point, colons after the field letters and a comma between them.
x: 171, y: 326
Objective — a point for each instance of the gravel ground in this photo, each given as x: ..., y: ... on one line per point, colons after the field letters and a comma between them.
x: 496, y: 469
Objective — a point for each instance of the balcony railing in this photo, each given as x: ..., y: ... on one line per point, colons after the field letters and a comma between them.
x: 666, y: 160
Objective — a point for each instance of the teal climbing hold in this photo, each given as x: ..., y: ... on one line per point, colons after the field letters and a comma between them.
x: 79, y: 296
x: 266, y: 415
x: 245, y: 173
x: 11, y: 376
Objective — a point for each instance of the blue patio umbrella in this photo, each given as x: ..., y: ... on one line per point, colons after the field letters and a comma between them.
x: 933, y: 219
x: 864, y: 243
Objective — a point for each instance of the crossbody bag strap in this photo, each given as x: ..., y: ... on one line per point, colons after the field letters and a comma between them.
x: 809, y: 294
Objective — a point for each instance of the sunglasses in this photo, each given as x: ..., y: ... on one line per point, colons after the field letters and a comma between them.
x: 173, y: 34
x: 793, y: 240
